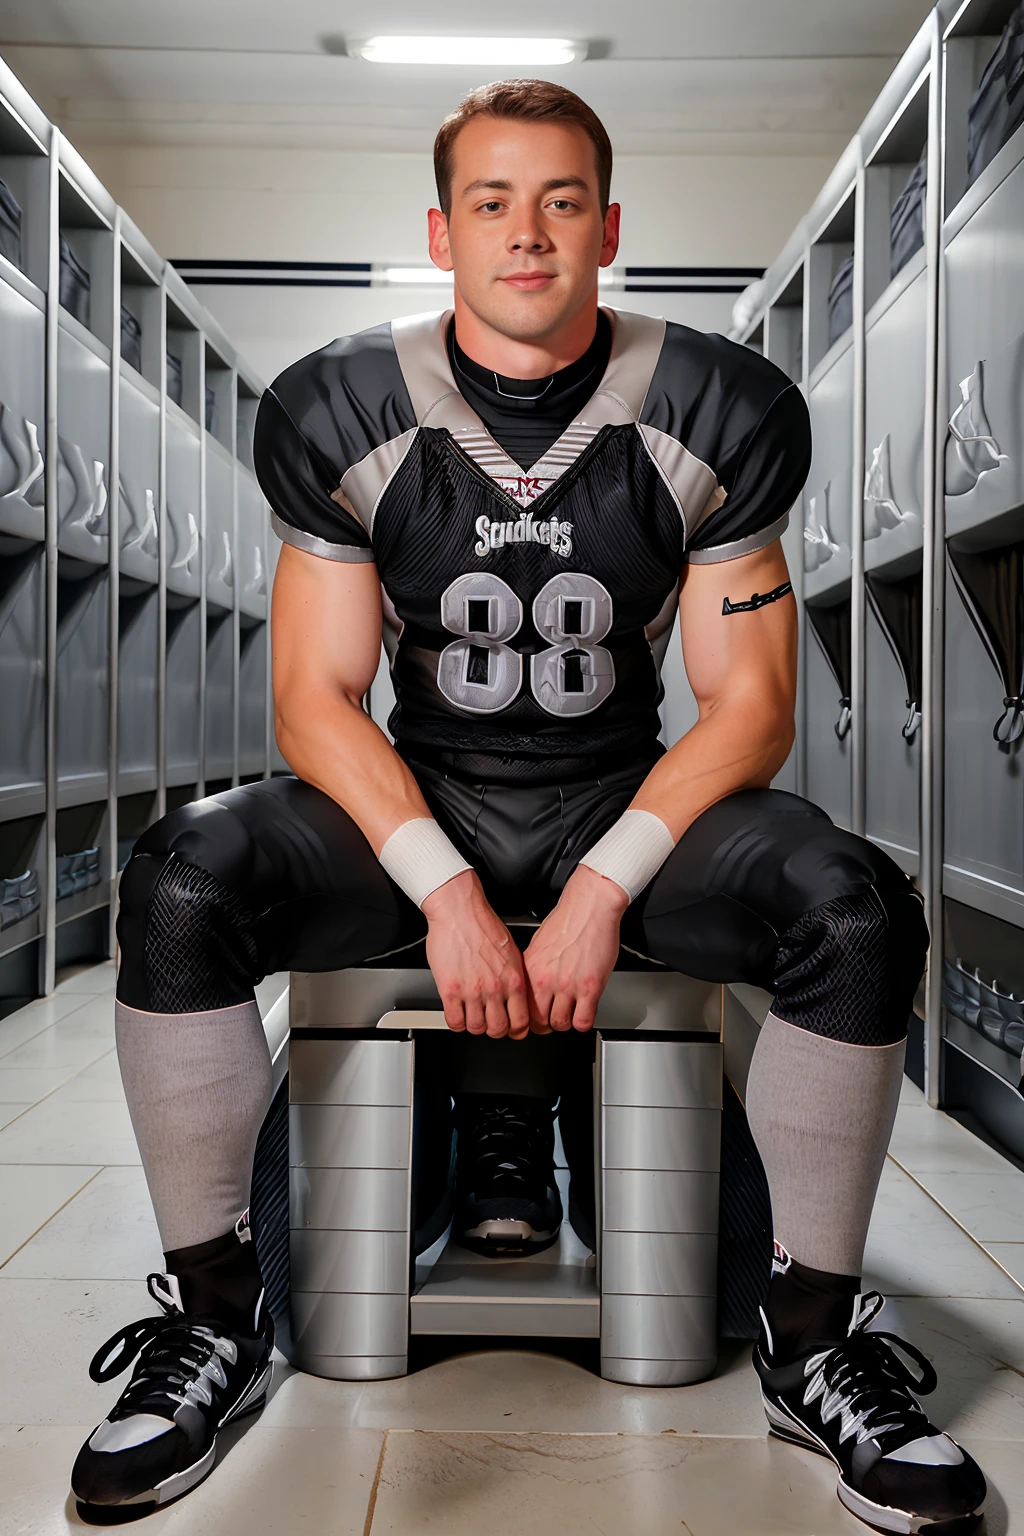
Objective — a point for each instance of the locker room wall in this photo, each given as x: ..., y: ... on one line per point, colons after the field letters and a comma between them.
x: 218, y: 201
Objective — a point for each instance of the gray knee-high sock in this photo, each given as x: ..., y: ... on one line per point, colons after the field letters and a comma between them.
x: 198, y: 1086
x: 821, y: 1113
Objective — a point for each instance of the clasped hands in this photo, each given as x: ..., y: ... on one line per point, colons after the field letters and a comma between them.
x: 487, y: 986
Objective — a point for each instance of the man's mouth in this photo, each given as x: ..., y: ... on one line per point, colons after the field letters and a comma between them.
x: 529, y: 282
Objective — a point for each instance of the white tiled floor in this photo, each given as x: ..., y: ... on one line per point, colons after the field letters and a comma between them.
x: 482, y: 1441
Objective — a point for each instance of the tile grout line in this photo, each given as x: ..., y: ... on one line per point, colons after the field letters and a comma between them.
x: 52, y: 1214
x: 372, y: 1502
x: 51, y: 1025
x: 956, y: 1222
x: 74, y: 1076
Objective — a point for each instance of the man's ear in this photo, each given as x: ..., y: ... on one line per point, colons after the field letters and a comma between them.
x: 437, y: 240
x: 610, y: 243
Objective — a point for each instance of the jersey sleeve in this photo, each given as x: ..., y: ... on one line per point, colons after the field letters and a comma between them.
x: 768, y: 472
x: 299, y: 483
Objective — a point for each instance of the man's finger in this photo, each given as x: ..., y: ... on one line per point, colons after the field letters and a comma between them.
x: 455, y: 1015
x: 560, y: 1017
x: 584, y: 1013
x: 497, y: 1018
x: 518, y: 1014
x: 476, y: 1024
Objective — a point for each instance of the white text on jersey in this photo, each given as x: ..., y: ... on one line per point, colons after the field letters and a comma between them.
x: 523, y: 530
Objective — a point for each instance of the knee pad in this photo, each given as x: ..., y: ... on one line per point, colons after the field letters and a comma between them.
x: 187, y: 942
x: 848, y: 969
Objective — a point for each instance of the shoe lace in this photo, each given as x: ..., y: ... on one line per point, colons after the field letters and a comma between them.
x: 180, y: 1358
x: 865, y: 1380
x: 511, y: 1147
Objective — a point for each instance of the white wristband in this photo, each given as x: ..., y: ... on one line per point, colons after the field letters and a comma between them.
x: 632, y: 851
x: 419, y: 857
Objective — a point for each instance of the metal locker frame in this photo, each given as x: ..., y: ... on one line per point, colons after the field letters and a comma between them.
x: 930, y: 87
x: 55, y: 186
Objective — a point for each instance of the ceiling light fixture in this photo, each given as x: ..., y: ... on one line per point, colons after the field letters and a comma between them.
x: 545, y: 51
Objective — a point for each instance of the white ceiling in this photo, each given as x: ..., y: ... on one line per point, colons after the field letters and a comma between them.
x: 675, y: 76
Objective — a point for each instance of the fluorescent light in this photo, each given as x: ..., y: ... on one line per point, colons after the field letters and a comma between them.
x: 421, y: 275
x: 510, y: 51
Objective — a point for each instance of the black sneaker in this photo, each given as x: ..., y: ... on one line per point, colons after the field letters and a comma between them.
x: 193, y: 1376
x: 506, y: 1199
x: 854, y: 1401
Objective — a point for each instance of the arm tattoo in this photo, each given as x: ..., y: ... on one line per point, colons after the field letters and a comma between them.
x: 757, y: 600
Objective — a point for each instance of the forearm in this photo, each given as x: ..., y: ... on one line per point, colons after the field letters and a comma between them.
x: 739, y: 744
x: 330, y: 741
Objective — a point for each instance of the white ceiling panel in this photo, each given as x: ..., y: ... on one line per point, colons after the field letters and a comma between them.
x: 652, y: 28
x: 726, y: 76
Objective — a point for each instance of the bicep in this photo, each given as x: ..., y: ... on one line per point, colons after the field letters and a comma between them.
x: 750, y: 651
x: 326, y: 628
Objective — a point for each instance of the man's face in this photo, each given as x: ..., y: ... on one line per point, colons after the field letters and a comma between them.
x: 525, y: 236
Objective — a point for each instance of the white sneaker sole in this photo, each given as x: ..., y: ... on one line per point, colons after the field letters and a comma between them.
x: 882, y: 1516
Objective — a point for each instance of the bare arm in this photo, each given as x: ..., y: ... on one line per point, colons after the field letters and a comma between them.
x: 327, y: 636
x: 742, y: 668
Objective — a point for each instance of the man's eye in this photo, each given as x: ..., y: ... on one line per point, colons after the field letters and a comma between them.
x: 489, y: 207
x: 560, y: 203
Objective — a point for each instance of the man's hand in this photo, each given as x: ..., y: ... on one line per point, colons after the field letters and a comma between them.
x: 573, y: 952
x: 475, y: 961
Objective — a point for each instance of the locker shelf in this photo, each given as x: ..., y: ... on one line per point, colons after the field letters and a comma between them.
x: 75, y: 789
x: 21, y: 800
x: 80, y: 903
x: 990, y: 896
x: 991, y: 179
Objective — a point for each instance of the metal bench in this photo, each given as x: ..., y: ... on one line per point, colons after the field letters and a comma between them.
x: 649, y: 1293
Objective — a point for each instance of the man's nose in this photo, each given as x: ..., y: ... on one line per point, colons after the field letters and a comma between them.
x: 529, y: 236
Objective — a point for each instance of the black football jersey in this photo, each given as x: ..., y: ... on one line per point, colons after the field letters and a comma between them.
x: 526, y: 612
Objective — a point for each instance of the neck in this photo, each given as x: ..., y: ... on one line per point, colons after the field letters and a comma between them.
x: 517, y: 359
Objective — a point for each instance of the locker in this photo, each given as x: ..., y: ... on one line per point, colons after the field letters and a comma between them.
x: 82, y: 685
x: 219, y: 697
x: 252, y: 699
x: 139, y: 480
x: 22, y: 513
x: 220, y: 516
x: 184, y: 659
x: 83, y: 416
x: 138, y: 641
x: 22, y: 682
x: 828, y: 492
x: 184, y: 556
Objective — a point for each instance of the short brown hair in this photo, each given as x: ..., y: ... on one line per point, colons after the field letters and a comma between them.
x: 528, y: 101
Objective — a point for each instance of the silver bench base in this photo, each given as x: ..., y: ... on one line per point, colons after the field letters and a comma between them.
x: 648, y: 1294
